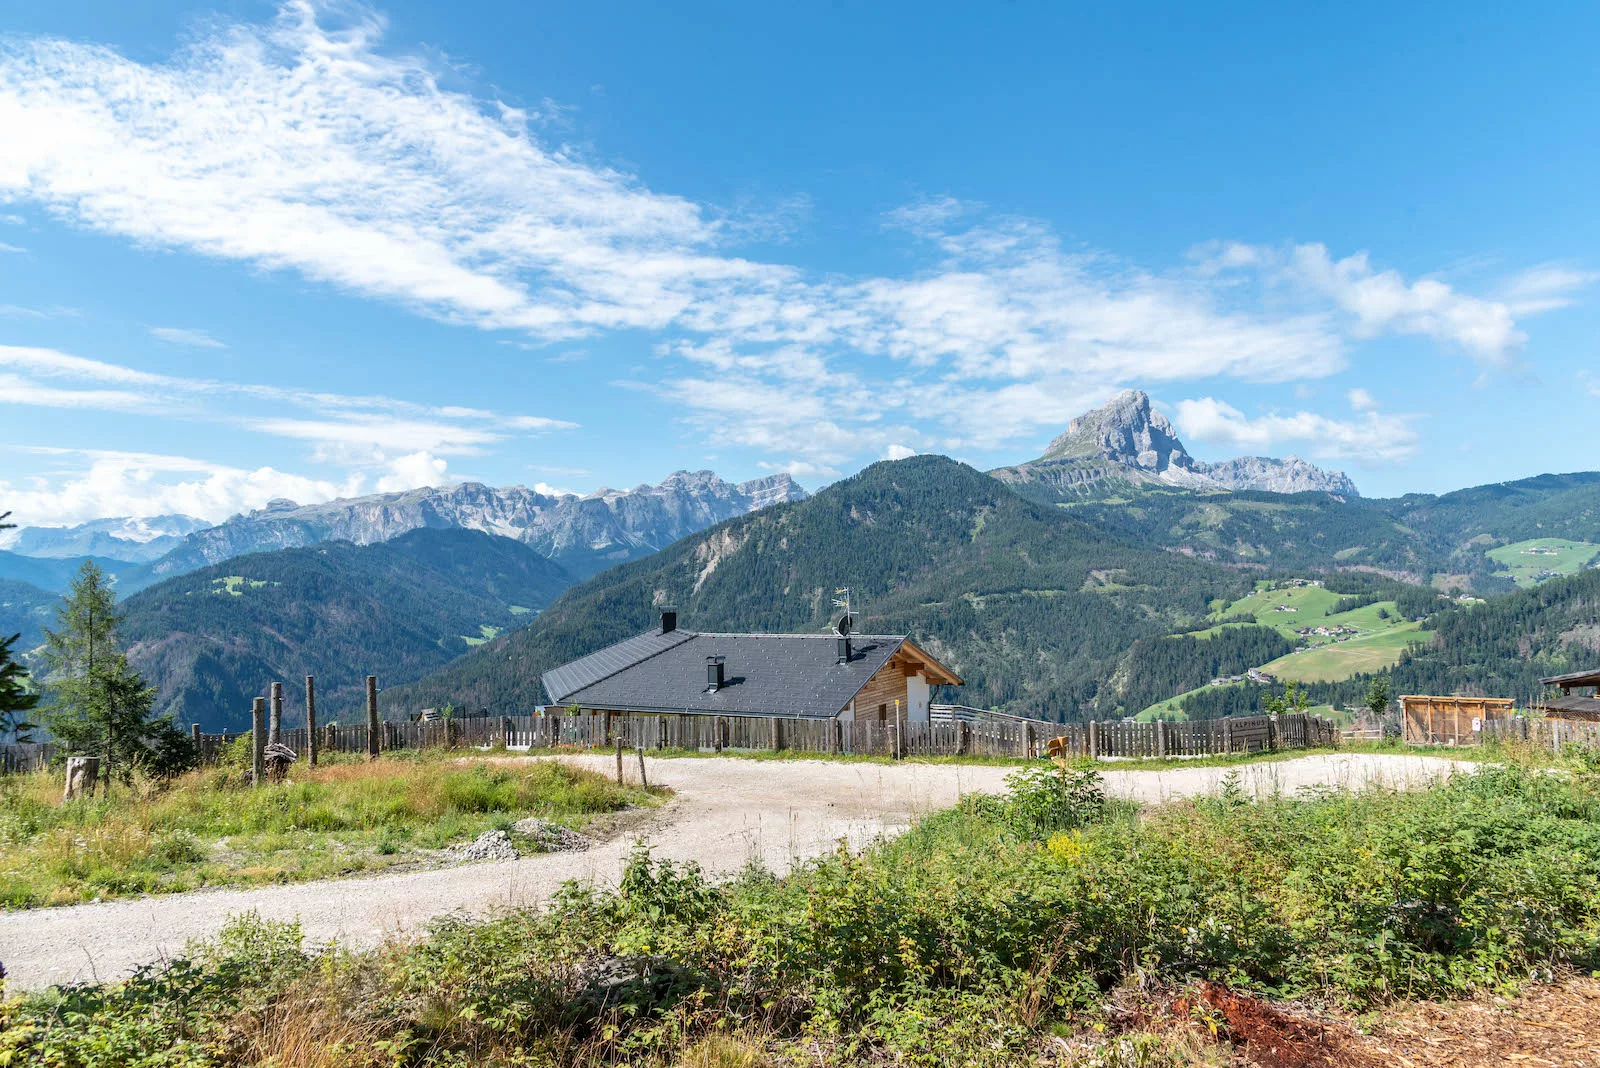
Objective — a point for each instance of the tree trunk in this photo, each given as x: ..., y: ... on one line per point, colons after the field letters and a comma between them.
x: 81, y: 774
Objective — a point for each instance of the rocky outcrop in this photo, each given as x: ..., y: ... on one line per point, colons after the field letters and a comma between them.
x: 1288, y: 475
x: 1140, y: 444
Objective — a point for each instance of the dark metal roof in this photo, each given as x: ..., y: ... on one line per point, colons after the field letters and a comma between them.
x: 563, y: 681
x: 1575, y: 678
x: 766, y: 675
x: 1573, y: 708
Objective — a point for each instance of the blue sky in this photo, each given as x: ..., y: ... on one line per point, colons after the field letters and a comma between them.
x: 252, y: 250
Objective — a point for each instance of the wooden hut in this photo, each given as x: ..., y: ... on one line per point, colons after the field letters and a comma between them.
x: 1431, y: 720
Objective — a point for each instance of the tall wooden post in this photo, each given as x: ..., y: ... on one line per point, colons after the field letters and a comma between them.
x: 275, y: 722
x: 373, y: 728
x: 1227, y: 735
x: 619, y: 759
x: 1094, y: 740
x: 1161, y: 737
x: 312, y: 741
x: 258, y: 741
x: 716, y: 736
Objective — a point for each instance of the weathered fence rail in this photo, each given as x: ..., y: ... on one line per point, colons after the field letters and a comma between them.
x: 999, y: 738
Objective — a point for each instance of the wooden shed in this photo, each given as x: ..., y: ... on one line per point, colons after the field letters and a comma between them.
x: 1433, y: 720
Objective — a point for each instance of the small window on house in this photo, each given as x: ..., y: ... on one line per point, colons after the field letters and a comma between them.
x: 883, y: 713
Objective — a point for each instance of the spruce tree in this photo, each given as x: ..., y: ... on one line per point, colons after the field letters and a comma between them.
x: 16, y: 701
x: 100, y: 704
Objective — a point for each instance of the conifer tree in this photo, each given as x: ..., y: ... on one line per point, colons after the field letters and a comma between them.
x: 100, y: 703
x: 16, y: 701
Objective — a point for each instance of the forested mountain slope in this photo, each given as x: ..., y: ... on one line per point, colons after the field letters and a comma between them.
x: 1034, y: 608
x: 215, y: 638
x: 26, y: 610
x: 1500, y: 648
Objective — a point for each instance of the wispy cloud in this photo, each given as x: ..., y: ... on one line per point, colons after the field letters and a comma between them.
x: 98, y: 483
x: 302, y: 144
x: 1372, y: 439
x: 381, y: 441
x: 11, y: 248
x: 196, y: 339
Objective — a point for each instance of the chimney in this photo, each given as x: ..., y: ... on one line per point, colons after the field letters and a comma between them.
x: 844, y: 648
x: 669, y: 620
x: 714, y: 676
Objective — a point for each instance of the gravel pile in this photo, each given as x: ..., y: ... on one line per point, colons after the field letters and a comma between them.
x: 490, y: 845
x: 551, y: 837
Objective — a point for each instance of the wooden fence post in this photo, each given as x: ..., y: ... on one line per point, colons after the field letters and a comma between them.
x: 1094, y: 741
x: 1027, y: 741
x: 619, y: 760
x: 258, y: 741
x: 1161, y: 737
x: 372, y: 717
x: 643, y: 779
x: 275, y: 716
x: 775, y: 731
x: 312, y: 746
x: 194, y: 732
x: 1227, y: 735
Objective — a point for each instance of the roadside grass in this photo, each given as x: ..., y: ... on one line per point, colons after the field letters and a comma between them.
x: 209, y: 828
x: 976, y: 938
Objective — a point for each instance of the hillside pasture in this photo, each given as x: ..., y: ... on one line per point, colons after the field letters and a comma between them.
x: 1338, y: 661
x: 1536, y: 560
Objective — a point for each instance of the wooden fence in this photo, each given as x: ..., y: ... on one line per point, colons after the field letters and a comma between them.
x: 26, y: 756
x: 1554, y: 734
x: 1023, y: 739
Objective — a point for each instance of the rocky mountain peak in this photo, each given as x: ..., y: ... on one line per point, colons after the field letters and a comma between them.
x: 1127, y: 430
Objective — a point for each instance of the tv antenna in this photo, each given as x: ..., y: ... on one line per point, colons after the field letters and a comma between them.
x: 846, y: 620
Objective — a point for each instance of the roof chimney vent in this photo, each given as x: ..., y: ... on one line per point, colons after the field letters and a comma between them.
x: 669, y: 619
x: 844, y: 648
x: 714, y: 675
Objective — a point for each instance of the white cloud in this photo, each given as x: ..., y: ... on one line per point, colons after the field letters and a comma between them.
x: 11, y: 248
x: 144, y: 484
x: 303, y: 144
x: 1371, y: 439
x: 1361, y: 400
x: 898, y: 452
x: 413, y: 471
x: 1547, y: 287
x: 197, y: 339
x: 399, y: 443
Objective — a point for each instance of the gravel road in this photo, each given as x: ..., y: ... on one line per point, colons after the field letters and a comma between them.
x: 727, y: 812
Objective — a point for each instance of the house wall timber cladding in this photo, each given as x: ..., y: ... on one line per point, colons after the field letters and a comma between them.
x: 897, y: 681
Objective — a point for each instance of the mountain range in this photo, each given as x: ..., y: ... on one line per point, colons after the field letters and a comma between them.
x: 1056, y: 587
x: 212, y: 639
x: 583, y: 534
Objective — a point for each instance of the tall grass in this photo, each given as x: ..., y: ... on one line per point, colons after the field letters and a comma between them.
x: 207, y: 827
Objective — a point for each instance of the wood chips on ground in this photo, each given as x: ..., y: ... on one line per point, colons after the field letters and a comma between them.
x: 1547, y: 1024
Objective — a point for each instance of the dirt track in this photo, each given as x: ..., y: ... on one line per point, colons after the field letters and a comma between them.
x: 727, y: 813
